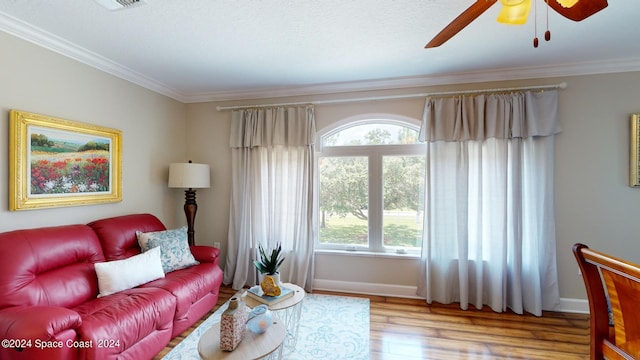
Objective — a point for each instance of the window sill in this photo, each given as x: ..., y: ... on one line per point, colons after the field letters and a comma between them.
x: 391, y: 255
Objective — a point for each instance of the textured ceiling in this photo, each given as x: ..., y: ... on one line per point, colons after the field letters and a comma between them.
x: 199, y: 50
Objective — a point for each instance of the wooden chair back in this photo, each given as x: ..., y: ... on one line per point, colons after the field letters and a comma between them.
x: 613, y: 284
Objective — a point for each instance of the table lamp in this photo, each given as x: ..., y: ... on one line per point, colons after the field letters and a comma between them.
x: 189, y: 176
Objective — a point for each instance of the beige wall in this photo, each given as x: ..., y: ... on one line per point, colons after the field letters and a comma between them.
x: 593, y: 201
x: 209, y: 143
x: 37, y: 80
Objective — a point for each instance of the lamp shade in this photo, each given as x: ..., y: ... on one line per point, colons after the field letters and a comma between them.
x: 189, y: 175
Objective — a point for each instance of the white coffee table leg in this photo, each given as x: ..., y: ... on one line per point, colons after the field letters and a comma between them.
x: 289, y: 311
x: 291, y: 318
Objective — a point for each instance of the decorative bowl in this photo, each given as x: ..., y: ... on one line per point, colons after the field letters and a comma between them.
x: 260, y: 318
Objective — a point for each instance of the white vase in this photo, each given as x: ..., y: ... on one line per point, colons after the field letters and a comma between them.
x: 268, y: 282
x: 276, y: 278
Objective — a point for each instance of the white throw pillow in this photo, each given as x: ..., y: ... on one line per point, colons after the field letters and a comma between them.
x: 174, y: 245
x: 118, y: 275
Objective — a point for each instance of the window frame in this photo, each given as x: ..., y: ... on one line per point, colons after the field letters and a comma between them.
x: 375, y: 155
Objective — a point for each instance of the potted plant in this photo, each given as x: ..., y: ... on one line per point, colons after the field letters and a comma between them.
x: 268, y: 265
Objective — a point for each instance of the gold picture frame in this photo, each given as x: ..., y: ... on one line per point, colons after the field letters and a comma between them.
x: 634, y: 154
x: 57, y: 162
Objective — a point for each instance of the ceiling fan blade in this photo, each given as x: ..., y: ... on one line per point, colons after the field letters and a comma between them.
x: 581, y: 10
x: 459, y: 23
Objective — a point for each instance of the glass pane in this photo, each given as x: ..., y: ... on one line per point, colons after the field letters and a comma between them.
x: 373, y: 134
x: 403, y: 201
x: 344, y: 200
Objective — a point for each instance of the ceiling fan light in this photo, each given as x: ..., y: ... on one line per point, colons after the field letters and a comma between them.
x: 511, y: 2
x: 514, y: 12
x: 567, y: 3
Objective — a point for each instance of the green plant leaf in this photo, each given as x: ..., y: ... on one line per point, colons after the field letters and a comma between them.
x: 269, y: 264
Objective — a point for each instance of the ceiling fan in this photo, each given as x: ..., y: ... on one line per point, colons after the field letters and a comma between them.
x: 515, y: 12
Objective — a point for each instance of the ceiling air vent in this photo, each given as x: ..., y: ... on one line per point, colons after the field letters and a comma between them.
x: 119, y: 4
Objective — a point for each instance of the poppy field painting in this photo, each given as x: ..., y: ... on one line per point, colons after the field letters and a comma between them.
x: 57, y: 162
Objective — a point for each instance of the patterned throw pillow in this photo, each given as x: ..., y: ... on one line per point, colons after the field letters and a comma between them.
x: 174, y: 247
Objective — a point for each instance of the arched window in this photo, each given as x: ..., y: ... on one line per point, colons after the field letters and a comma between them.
x: 371, y: 186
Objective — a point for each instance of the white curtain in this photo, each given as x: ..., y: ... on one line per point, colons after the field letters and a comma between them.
x: 271, y: 199
x: 489, y: 235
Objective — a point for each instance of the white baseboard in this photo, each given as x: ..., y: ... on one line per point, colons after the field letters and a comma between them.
x: 406, y: 291
x: 574, y: 305
x: 366, y: 288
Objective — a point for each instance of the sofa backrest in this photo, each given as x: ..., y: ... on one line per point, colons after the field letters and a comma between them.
x: 49, y: 266
x: 118, y: 234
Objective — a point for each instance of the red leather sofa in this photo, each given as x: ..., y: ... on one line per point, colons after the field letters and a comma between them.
x: 49, y: 303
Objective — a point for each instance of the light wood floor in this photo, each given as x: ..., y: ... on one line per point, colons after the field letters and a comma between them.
x: 408, y: 329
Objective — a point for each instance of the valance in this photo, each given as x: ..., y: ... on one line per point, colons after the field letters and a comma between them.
x: 478, y: 117
x: 290, y: 126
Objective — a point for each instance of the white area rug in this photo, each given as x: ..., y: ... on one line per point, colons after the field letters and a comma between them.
x: 331, y: 327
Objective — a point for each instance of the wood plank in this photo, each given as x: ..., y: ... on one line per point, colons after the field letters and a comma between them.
x: 411, y: 329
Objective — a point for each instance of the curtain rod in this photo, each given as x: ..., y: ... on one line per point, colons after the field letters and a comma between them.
x: 562, y: 85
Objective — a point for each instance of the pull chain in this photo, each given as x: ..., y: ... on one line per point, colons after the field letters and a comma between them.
x: 535, y: 24
x: 547, y: 34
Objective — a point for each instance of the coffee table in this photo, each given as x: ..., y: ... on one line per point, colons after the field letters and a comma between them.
x: 288, y: 310
x: 253, y: 346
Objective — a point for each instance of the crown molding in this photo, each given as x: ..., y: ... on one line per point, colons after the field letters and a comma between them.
x: 504, y: 74
x: 30, y: 33
x: 61, y: 46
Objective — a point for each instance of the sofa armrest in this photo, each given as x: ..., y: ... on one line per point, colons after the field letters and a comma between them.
x: 36, y: 322
x: 207, y: 254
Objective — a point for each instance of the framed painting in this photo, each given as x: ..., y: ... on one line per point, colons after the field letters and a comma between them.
x: 56, y: 162
x: 634, y: 154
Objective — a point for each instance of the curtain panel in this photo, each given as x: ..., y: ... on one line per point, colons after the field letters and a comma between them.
x: 489, y: 235
x: 269, y: 127
x: 271, y: 195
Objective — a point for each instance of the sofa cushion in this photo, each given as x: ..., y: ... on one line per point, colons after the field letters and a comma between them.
x: 37, y: 322
x: 118, y: 234
x: 176, y: 254
x: 49, y: 266
x: 190, y: 287
x: 118, y: 275
x: 119, y: 322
